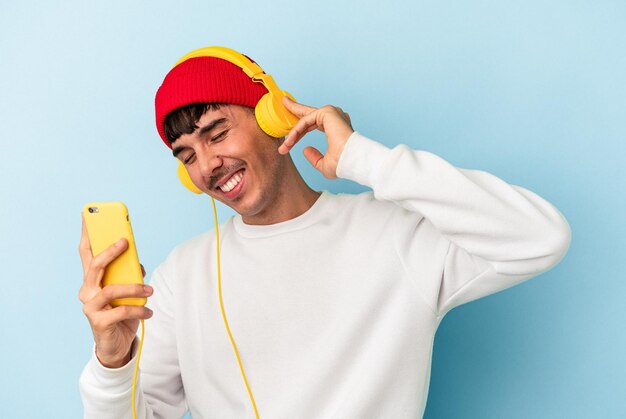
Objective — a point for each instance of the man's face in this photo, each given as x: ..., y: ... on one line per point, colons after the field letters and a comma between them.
x: 231, y: 159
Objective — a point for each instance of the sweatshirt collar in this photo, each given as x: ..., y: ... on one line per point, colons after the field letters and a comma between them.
x: 304, y: 220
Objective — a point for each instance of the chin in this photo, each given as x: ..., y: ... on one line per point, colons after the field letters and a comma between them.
x: 252, y: 208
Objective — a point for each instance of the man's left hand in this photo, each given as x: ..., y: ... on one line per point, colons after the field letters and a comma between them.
x: 332, y: 121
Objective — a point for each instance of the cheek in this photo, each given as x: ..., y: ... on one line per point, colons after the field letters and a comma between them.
x: 240, y: 143
x: 196, y: 177
x: 267, y: 152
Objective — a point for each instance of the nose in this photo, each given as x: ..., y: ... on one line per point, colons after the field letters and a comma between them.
x: 207, y: 164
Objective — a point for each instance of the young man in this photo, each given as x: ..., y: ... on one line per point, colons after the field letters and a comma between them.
x: 333, y: 300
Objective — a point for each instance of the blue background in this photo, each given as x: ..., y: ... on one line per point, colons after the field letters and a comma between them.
x: 532, y: 91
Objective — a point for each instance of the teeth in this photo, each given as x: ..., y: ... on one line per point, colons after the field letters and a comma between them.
x: 232, y: 182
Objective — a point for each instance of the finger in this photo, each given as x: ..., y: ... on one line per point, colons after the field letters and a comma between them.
x: 347, y: 116
x: 87, y: 293
x: 114, y: 292
x: 305, y: 125
x: 143, y: 271
x: 296, y: 108
x: 84, y: 247
x: 122, y: 313
x: 100, y: 261
x: 314, y: 157
x: 104, y: 319
x: 291, y: 141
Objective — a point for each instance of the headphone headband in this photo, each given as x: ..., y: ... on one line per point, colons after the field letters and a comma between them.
x: 252, y: 69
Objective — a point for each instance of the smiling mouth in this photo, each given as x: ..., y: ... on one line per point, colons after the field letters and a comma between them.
x: 232, y: 182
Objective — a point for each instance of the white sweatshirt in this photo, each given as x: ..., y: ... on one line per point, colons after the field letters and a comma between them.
x: 334, y: 312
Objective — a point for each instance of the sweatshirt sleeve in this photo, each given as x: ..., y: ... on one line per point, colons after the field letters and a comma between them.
x: 490, y: 235
x: 107, y: 393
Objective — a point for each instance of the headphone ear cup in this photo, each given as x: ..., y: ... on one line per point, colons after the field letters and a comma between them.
x: 272, y: 116
x: 185, y: 179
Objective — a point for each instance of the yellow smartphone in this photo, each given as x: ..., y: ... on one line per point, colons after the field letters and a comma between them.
x: 107, y: 222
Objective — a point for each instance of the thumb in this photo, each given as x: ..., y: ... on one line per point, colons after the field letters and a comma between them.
x: 314, y: 157
x: 296, y: 108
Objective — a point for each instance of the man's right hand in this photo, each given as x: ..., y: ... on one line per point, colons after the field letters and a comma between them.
x: 114, y: 328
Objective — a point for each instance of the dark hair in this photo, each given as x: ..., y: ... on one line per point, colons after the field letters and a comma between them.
x: 184, y: 119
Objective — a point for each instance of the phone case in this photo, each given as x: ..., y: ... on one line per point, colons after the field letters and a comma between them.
x: 107, y: 222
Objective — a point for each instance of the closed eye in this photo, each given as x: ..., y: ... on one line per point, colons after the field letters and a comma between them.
x: 189, y: 158
x: 218, y: 136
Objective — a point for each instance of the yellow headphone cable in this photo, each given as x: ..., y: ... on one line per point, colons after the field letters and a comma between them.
x: 137, y: 369
x: 230, y: 335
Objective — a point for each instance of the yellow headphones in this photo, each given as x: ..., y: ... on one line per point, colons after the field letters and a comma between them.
x: 271, y: 115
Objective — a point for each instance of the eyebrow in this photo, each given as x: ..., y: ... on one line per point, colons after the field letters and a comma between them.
x: 201, y: 131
